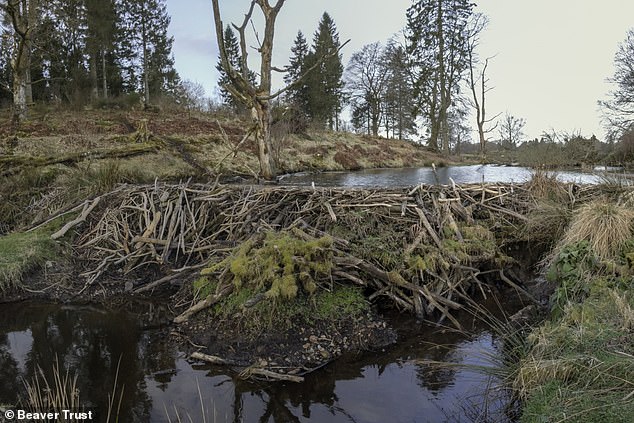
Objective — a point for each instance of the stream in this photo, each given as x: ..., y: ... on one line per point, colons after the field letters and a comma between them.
x: 388, y: 385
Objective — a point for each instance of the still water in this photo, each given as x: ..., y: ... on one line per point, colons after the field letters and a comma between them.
x: 424, y: 175
x: 392, y: 385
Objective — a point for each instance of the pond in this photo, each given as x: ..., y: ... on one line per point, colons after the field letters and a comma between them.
x: 425, y: 175
x: 396, y: 384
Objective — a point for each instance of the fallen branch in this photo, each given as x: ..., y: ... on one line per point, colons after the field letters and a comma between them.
x: 81, y: 218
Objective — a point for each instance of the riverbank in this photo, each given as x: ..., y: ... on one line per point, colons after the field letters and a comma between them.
x: 58, y: 158
x: 579, y: 364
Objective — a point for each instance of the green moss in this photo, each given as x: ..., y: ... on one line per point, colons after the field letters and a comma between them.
x: 344, y: 302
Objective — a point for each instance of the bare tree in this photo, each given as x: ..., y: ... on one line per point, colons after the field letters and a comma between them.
x: 618, y: 111
x: 257, y: 97
x: 479, y: 85
x: 365, y: 78
x: 511, y: 130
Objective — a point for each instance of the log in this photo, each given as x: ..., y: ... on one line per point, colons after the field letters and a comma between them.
x: 81, y: 218
x: 211, y: 359
x: 270, y: 375
x: 10, y: 165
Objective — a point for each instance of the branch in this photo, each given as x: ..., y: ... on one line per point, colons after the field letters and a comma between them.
x: 243, y: 41
x: 304, y: 75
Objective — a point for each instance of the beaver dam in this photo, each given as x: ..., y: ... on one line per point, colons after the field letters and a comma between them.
x: 277, y: 281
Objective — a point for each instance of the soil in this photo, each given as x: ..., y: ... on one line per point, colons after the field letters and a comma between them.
x: 300, y: 350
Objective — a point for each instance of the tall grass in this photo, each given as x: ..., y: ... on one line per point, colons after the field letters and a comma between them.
x: 606, y: 226
x: 57, y: 394
x: 59, y: 391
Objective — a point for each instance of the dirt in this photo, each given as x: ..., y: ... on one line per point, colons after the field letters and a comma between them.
x: 299, y: 350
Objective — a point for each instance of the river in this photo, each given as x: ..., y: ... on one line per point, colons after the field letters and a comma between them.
x: 444, y: 175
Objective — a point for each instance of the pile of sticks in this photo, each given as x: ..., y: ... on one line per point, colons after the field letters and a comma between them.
x: 185, y: 225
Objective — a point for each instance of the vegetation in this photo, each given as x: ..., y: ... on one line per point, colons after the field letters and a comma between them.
x: 277, y: 279
x: 94, y: 51
x: 23, y: 252
x: 578, y: 364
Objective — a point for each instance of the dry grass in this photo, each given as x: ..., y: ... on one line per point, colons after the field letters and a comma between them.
x: 545, y: 186
x: 547, y: 223
x: 606, y: 227
x: 57, y: 394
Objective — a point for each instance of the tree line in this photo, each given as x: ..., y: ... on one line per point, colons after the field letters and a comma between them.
x: 415, y: 80
x: 75, y: 51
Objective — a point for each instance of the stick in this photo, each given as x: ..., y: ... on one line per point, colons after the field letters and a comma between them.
x: 78, y: 220
x: 211, y: 358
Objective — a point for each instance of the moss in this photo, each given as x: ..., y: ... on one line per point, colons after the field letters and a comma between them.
x: 344, y: 302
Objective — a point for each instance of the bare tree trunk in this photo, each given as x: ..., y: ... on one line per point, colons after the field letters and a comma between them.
x: 146, y: 83
x: 94, y: 82
x: 19, y: 96
x: 19, y: 13
x: 262, y: 112
x: 104, y: 75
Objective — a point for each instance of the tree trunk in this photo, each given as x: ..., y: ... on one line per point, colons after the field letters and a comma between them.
x: 19, y: 95
x: 94, y: 82
x: 146, y: 84
x: 262, y: 112
x: 104, y: 75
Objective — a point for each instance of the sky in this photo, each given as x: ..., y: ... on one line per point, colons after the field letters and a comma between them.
x: 552, y: 58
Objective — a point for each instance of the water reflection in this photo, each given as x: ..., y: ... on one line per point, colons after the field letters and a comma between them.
x: 389, y: 385
x: 414, y: 176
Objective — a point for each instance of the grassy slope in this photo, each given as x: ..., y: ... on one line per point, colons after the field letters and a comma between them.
x: 203, y: 140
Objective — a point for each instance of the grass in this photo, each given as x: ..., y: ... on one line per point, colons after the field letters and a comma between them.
x: 22, y: 252
x: 54, y: 395
x: 580, y: 367
x: 606, y: 226
x: 579, y: 364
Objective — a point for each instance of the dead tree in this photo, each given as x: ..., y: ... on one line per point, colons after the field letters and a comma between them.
x: 256, y: 97
x: 479, y: 86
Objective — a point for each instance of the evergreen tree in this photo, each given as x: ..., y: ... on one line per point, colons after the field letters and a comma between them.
x: 102, y: 30
x: 398, y: 102
x: 232, y: 48
x: 298, y: 94
x: 438, y: 40
x: 324, y: 84
x: 146, y: 50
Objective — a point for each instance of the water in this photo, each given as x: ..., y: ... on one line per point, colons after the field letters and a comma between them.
x: 425, y: 175
x: 391, y: 385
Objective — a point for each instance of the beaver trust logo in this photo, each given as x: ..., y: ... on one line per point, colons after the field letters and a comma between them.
x: 62, y: 415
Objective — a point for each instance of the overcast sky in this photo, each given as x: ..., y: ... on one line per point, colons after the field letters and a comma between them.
x: 552, y: 57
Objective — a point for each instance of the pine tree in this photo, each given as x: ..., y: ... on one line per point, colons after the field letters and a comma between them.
x: 324, y: 84
x: 146, y: 48
x: 398, y: 101
x: 102, y: 27
x: 232, y: 48
x: 298, y: 94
